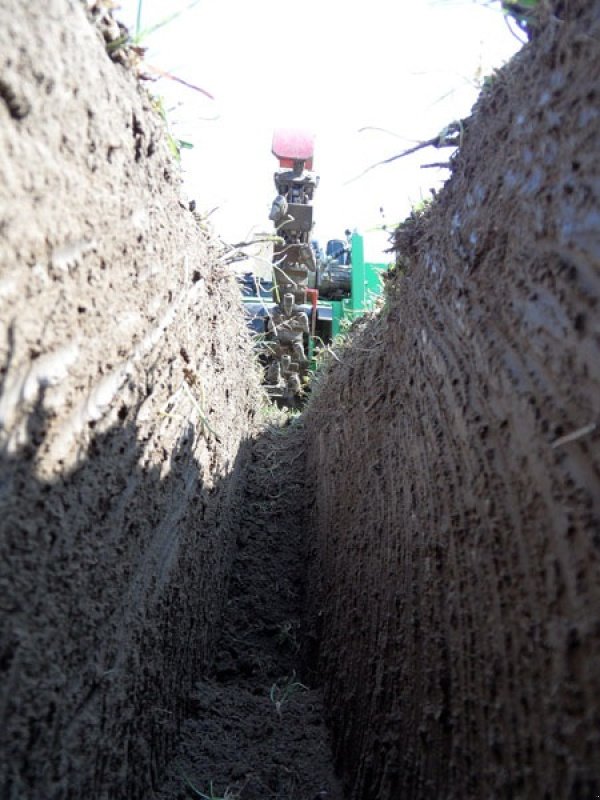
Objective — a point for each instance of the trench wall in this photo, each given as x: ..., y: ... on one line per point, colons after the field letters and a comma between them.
x: 455, y: 454
x: 126, y: 400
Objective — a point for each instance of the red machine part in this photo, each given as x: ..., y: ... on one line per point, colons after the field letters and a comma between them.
x: 291, y: 144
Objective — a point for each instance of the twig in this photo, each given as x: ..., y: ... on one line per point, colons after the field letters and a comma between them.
x: 164, y: 74
x: 451, y: 136
x: 275, y: 239
x: 574, y: 435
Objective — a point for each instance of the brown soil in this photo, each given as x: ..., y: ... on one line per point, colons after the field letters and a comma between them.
x: 154, y: 544
x: 457, y: 468
x: 258, y: 729
x: 126, y: 396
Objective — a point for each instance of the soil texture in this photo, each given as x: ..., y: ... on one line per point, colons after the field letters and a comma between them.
x: 455, y: 579
x: 444, y: 481
x: 126, y: 395
x: 258, y: 730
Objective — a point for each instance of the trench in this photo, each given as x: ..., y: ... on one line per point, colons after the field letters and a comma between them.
x: 258, y: 726
x: 393, y: 596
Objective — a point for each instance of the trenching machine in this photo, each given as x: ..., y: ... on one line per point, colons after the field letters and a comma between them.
x: 311, y: 292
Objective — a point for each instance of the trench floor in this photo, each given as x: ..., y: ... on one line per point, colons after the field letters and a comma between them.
x: 258, y: 730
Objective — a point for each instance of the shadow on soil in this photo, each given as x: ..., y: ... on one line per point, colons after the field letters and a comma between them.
x: 114, y: 580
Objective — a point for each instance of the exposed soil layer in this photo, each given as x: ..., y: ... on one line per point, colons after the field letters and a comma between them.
x: 152, y: 574
x: 126, y: 395
x: 456, y: 576
x: 257, y: 730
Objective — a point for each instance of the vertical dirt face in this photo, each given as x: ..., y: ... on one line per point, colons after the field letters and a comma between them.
x: 127, y: 394
x: 454, y: 455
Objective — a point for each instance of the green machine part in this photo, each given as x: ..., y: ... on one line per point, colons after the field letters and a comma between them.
x: 337, y: 315
x: 366, y: 280
x: 365, y: 288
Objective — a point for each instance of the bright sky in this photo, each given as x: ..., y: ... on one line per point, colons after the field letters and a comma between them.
x: 330, y: 66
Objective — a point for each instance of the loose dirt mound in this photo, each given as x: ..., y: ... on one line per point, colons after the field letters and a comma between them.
x: 127, y: 392
x: 455, y: 581
x: 258, y: 730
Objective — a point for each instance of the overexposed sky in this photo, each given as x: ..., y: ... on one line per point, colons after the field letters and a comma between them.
x: 331, y: 66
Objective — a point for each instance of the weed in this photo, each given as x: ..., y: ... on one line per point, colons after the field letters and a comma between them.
x: 421, y: 206
x: 279, y: 695
x: 273, y: 415
x: 228, y: 795
x: 286, y: 636
x: 488, y: 81
x: 192, y: 381
x: 174, y: 144
x: 142, y: 33
x: 128, y: 49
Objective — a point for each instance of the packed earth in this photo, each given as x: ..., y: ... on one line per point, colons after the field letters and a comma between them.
x: 394, y: 594
x: 258, y: 727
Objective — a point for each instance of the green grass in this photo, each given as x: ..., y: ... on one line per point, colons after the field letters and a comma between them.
x: 142, y: 33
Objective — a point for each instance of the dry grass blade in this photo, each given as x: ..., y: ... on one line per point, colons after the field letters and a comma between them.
x: 164, y: 74
x: 385, y: 130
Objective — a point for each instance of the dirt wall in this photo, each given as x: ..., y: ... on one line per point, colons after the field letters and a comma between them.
x: 127, y: 394
x: 454, y: 449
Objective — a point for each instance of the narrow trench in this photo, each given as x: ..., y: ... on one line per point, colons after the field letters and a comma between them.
x: 257, y: 728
